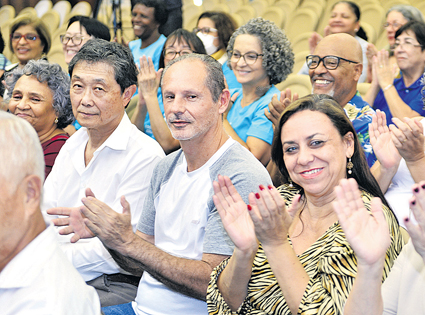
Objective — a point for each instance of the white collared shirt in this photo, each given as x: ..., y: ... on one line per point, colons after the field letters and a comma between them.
x: 122, y: 165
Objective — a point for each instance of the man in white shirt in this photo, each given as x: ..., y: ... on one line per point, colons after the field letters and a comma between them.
x: 180, y: 237
x: 35, y: 275
x: 108, y: 157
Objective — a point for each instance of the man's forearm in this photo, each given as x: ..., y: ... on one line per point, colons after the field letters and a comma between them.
x: 126, y: 263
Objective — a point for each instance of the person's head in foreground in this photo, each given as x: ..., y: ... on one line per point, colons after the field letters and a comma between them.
x: 80, y: 30
x: 21, y: 182
x: 198, y: 113
x: 29, y: 38
x: 336, y: 66
x: 260, y: 54
x: 399, y: 15
x: 315, y: 146
x: 103, y: 80
x: 40, y: 95
x: 180, y: 42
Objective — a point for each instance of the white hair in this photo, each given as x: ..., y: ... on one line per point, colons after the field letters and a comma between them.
x: 21, y: 154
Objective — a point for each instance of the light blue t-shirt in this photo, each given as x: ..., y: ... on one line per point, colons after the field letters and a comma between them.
x: 231, y: 80
x: 250, y: 121
x: 147, y: 123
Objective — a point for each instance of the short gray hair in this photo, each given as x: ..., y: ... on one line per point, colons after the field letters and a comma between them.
x: 57, y: 81
x: 278, y: 58
x: 24, y: 155
x: 409, y: 12
x: 214, y: 79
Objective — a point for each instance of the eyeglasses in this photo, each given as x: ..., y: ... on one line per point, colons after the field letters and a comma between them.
x: 250, y: 58
x: 406, y: 44
x: 28, y: 37
x: 205, y: 30
x: 395, y: 25
x: 329, y: 62
x: 76, y: 39
x: 171, y: 54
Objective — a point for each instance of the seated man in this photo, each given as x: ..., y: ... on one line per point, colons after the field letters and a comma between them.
x: 35, y: 275
x: 109, y: 155
x: 180, y: 237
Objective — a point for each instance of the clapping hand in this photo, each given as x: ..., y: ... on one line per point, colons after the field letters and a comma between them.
x: 417, y: 206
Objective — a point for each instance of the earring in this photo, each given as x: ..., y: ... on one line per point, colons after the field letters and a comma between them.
x: 290, y: 183
x: 56, y: 120
x: 350, y: 166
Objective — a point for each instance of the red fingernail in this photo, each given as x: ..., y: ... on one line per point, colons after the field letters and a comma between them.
x: 249, y: 207
x: 416, y: 190
x: 423, y: 186
x: 413, y: 202
x: 261, y: 187
x: 270, y: 187
x: 406, y: 219
x: 257, y: 195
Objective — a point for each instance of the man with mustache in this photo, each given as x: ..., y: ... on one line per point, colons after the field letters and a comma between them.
x: 180, y: 238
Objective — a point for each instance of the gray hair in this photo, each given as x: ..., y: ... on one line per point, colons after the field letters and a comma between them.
x: 117, y: 56
x: 57, y: 81
x: 214, y: 79
x: 409, y: 12
x: 22, y: 154
x: 278, y: 58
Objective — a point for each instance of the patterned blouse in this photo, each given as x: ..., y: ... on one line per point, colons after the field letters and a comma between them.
x: 330, y: 262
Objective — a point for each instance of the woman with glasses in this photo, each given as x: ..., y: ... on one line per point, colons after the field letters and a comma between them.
x: 396, y: 17
x: 260, y: 56
x: 400, y: 97
x: 29, y: 40
x: 149, y: 113
x: 291, y: 255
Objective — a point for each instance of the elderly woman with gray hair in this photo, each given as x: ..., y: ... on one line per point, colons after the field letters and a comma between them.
x: 260, y: 56
x: 40, y: 95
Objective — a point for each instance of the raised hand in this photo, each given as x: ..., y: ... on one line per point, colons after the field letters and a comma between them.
x: 148, y: 79
x: 276, y: 107
x: 360, y: 226
x: 417, y: 206
x: 314, y: 39
x: 408, y: 138
x: 270, y: 216
x: 234, y: 214
x: 382, y: 143
x: 382, y: 69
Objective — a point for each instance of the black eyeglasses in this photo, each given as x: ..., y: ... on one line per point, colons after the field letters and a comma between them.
x: 29, y: 37
x: 329, y: 62
x: 76, y: 39
x: 406, y: 44
x: 171, y: 53
x: 250, y: 57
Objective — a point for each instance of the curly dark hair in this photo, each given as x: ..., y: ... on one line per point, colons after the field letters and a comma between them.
x: 278, y: 58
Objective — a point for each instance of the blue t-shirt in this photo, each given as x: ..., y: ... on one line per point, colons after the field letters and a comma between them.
x: 232, y: 82
x: 250, y: 121
x: 360, y: 114
x: 147, y: 123
x: 410, y: 95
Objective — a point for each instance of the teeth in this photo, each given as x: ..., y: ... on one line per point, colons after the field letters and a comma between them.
x: 323, y: 81
x: 312, y: 171
x: 137, y: 27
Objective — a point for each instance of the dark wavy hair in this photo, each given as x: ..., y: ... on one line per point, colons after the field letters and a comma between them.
x: 224, y: 24
x: 356, y: 10
x: 418, y: 28
x: 92, y: 26
x: 180, y: 35
x: 57, y: 81
x: 327, y: 105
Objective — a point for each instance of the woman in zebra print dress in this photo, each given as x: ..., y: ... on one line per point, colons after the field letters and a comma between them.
x: 291, y: 255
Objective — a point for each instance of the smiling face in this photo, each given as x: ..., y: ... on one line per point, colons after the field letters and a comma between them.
x: 409, y: 57
x: 255, y: 74
x: 343, y: 20
x: 25, y: 49
x: 74, y: 31
x: 395, y: 20
x: 143, y: 21
x: 33, y: 101
x: 314, y: 152
x: 189, y: 108
x: 97, y: 101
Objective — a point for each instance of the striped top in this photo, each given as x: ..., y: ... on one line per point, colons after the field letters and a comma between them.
x: 330, y: 263
x: 51, y: 150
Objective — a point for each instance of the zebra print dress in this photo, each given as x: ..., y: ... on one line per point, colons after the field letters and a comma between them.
x: 330, y: 263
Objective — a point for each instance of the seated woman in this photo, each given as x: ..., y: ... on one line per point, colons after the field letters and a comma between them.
x: 40, y: 95
x: 399, y: 149
x: 402, y: 291
x: 304, y: 264
x: 260, y: 56
x: 3, y: 64
x: 400, y: 97
x: 215, y: 29
x: 29, y: 40
x: 345, y: 18
x: 149, y: 113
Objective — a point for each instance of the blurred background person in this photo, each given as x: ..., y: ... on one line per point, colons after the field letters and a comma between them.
x: 40, y: 95
x: 260, y: 56
x: 4, y: 62
x: 149, y: 116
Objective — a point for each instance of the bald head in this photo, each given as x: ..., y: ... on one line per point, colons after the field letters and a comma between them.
x: 340, y: 83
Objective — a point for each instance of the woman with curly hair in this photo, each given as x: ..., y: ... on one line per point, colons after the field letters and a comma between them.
x: 40, y: 95
x: 260, y: 56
